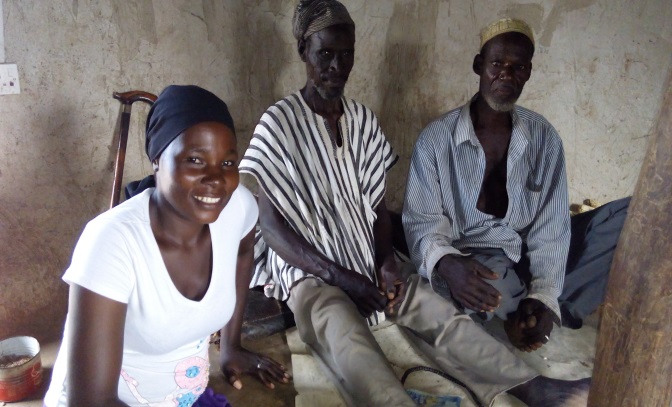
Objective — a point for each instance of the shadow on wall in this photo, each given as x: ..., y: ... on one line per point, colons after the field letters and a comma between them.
x: 37, y: 243
x: 409, y: 50
x: 256, y: 67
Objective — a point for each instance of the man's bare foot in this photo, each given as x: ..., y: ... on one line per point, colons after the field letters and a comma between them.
x: 546, y: 392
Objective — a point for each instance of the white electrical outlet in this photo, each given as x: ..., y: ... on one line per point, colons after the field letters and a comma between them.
x: 9, y: 79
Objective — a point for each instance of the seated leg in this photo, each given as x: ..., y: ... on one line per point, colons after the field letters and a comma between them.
x: 457, y: 345
x: 328, y: 321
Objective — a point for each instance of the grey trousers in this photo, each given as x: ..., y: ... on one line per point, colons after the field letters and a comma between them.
x: 591, y: 251
x: 510, y: 286
x: 329, y: 323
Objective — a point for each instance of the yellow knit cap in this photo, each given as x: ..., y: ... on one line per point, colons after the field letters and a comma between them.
x: 505, y: 25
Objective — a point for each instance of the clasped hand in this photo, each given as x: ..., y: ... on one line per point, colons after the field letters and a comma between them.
x: 369, y: 298
x: 529, y: 328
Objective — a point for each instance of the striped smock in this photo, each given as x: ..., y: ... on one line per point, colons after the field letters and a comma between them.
x: 326, y: 193
x: 440, y: 215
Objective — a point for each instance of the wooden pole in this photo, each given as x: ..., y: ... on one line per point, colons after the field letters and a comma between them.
x: 633, y: 365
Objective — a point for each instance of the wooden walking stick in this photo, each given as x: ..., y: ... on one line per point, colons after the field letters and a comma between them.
x: 127, y: 99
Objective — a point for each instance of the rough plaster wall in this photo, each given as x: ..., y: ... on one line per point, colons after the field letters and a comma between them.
x: 597, y: 77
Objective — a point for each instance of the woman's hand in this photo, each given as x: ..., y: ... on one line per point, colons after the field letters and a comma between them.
x: 237, y: 361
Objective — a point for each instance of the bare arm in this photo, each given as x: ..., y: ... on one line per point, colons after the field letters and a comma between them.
x: 298, y: 252
x: 95, y: 348
x: 234, y: 359
x: 389, y: 278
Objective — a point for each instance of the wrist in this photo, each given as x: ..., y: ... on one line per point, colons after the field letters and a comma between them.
x: 333, y: 275
x: 226, y: 352
x: 447, y: 261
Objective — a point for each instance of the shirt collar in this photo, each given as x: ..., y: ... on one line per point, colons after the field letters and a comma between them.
x: 465, y: 128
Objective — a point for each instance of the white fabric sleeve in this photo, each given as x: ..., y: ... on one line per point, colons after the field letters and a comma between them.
x: 380, y: 158
x: 250, y: 209
x: 102, y: 262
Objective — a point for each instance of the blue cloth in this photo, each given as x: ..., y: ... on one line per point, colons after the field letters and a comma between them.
x: 430, y: 400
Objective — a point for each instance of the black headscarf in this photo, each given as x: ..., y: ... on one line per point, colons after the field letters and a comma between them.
x: 176, y: 109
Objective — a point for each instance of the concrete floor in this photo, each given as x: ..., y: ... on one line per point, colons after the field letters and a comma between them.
x: 568, y: 355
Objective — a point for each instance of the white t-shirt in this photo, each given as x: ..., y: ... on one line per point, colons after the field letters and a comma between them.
x: 165, y: 356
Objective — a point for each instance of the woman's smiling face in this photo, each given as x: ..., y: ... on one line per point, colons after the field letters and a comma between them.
x: 197, y: 173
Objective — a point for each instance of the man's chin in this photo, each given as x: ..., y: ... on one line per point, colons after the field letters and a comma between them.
x: 330, y: 94
x: 500, y: 106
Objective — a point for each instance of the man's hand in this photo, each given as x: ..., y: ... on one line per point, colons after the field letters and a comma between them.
x: 465, y: 281
x: 361, y: 290
x: 236, y: 361
x: 392, y: 284
x: 530, y: 326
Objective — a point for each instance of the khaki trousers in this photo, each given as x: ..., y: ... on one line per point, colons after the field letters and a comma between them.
x: 329, y: 323
x: 458, y: 345
x: 340, y: 338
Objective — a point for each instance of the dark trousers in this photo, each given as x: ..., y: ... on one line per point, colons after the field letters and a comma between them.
x: 591, y: 251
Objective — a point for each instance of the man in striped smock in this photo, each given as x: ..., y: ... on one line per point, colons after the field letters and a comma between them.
x: 320, y: 161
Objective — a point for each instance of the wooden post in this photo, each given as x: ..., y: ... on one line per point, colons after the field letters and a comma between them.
x: 633, y: 365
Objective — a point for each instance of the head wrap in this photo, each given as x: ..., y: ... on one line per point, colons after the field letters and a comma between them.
x: 505, y: 25
x: 312, y: 16
x: 176, y: 109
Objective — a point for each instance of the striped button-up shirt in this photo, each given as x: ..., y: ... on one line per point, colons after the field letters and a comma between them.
x: 440, y: 215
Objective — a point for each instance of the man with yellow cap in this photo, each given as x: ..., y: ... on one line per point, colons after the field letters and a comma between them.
x: 486, y: 213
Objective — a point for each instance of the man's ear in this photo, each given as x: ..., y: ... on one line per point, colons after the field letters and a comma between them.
x: 301, y: 47
x: 477, y: 66
x: 155, y: 164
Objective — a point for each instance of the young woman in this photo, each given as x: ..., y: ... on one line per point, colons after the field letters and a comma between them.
x: 151, y: 279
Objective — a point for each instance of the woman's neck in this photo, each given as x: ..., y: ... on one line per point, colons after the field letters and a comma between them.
x: 171, y: 228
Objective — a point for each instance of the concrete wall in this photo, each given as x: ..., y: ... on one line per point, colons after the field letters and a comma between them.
x: 598, y: 73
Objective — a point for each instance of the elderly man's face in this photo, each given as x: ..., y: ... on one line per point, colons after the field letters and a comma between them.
x: 329, y: 55
x: 504, y: 65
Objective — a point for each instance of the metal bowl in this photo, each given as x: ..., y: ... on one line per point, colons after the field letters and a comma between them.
x: 20, y: 368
